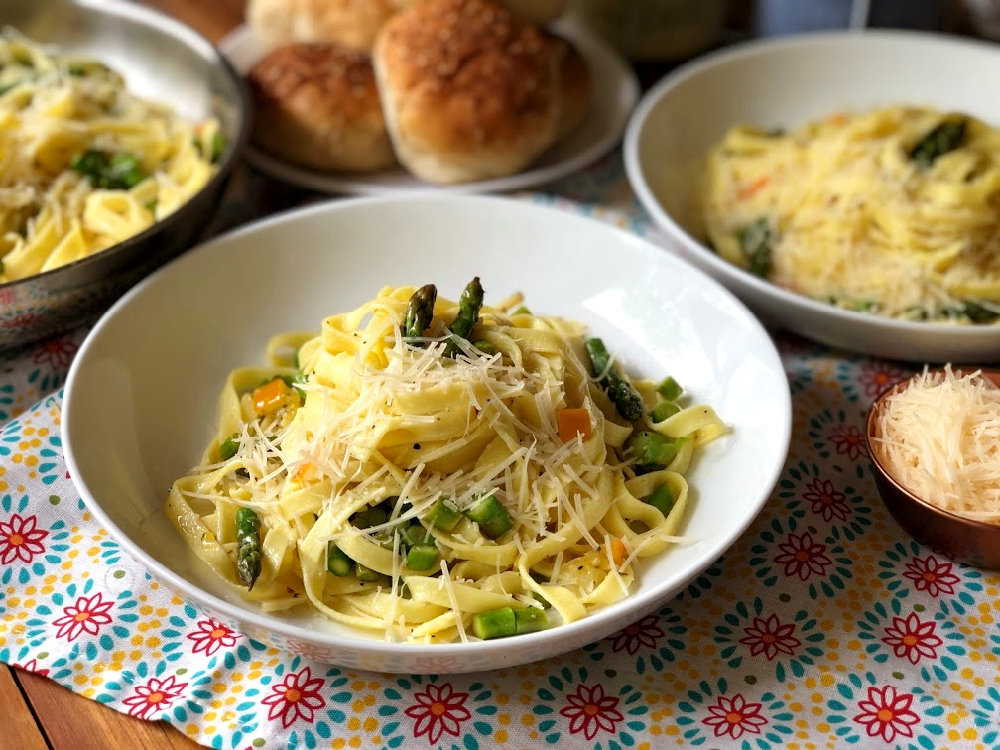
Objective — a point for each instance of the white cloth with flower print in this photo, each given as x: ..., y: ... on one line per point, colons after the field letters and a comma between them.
x: 823, y: 624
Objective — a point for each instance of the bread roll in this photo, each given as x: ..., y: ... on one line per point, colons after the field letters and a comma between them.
x: 317, y: 105
x: 468, y: 92
x: 349, y: 23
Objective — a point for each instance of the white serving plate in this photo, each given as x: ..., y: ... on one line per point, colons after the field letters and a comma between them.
x: 614, y: 93
x: 788, y: 82
x: 141, y: 397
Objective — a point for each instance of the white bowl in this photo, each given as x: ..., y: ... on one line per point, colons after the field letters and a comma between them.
x: 141, y: 397
x: 789, y: 82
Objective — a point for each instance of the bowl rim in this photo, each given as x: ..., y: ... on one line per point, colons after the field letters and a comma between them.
x: 268, y: 623
x: 636, y: 173
x: 873, y: 453
x: 243, y: 121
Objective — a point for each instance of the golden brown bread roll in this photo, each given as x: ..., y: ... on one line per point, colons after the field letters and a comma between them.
x: 349, y: 23
x: 317, y: 105
x: 468, y: 92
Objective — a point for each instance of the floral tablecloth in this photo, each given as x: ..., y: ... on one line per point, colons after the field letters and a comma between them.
x: 823, y: 626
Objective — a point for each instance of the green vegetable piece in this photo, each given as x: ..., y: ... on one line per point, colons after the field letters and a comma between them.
x: 469, y: 305
x: 88, y: 69
x: 368, y: 517
x: 625, y: 398
x: 521, y: 310
x: 422, y: 556
x: 495, y: 623
x: 529, y: 620
x: 979, y: 314
x: 298, y: 381
x: 442, y: 515
x: 414, y: 534
x: 151, y: 206
x: 651, y: 450
x: 664, y: 410
x: 229, y: 447
x: 755, y: 239
x: 945, y: 137
x: 662, y: 499
x: 670, y: 389
x: 485, y: 347
x: 337, y: 562
x: 367, y: 575
x: 420, y: 311
x: 249, y: 556
x: 541, y: 599
x: 89, y: 163
x: 219, y: 144
x: 493, y: 519
x: 111, y: 172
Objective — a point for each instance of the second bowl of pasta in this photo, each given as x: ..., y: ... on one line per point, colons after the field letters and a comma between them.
x: 118, y: 130
x: 842, y: 184
x: 442, y: 425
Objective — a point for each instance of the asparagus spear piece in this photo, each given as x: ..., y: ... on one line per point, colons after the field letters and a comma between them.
x: 469, y: 305
x: 662, y: 499
x: 493, y: 519
x: 651, y: 450
x: 249, y: 554
x: 420, y: 311
x: 337, y: 562
x: 945, y: 137
x: 755, y: 239
x: 664, y: 410
x: 442, y: 515
x: 620, y: 391
x: 422, y: 556
x: 530, y: 619
x: 229, y: 447
x: 495, y: 623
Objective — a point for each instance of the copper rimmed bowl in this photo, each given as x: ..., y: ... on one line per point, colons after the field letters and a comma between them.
x: 965, y: 540
x: 163, y: 60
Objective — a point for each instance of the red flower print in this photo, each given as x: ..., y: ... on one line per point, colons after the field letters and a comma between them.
x: 210, y: 636
x: 32, y: 666
x: 885, y: 713
x: 57, y: 353
x: 734, y: 717
x: 770, y: 637
x: 153, y: 697
x: 646, y: 632
x: 23, y: 320
x: 826, y: 500
x: 295, y: 698
x: 439, y: 710
x: 21, y: 539
x: 87, y: 615
x: 931, y: 576
x: 911, y: 638
x: 876, y: 378
x: 590, y: 709
x: 802, y: 557
x: 847, y: 439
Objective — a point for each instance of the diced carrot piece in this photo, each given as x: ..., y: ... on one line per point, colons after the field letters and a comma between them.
x: 302, y: 474
x: 749, y: 191
x: 572, y: 422
x: 618, y: 551
x: 270, y: 397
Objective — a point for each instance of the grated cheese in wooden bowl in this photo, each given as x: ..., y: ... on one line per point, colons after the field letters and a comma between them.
x: 939, y: 437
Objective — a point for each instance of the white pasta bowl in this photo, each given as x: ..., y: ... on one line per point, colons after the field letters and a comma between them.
x: 789, y: 82
x: 142, y: 395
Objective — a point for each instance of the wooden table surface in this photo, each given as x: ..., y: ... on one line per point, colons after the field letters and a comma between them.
x: 36, y: 713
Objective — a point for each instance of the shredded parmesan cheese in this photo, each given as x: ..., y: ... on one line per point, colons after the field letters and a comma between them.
x: 939, y: 437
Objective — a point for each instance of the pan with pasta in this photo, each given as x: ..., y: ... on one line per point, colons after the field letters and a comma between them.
x: 85, y: 164
x: 433, y: 471
x: 895, y: 211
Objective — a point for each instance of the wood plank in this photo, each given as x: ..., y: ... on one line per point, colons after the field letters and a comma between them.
x: 70, y: 720
x: 20, y: 732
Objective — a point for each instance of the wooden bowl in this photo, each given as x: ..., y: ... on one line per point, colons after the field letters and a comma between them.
x: 962, y: 539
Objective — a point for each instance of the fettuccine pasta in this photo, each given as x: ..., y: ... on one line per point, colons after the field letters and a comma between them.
x: 895, y: 212
x: 369, y: 458
x: 84, y: 164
